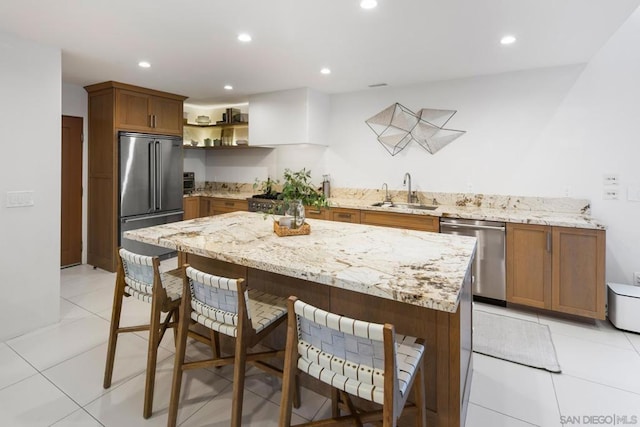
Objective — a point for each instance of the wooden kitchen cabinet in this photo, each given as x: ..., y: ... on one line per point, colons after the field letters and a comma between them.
x: 528, y: 260
x: 556, y: 268
x: 400, y: 220
x: 344, y: 215
x: 206, y: 206
x: 578, y: 277
x: 115, y: 107
x: 191, y: 207
x: 146, y: 112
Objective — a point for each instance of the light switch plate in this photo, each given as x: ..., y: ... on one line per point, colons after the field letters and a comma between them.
x: 19, y: 199
x: 610, y: 194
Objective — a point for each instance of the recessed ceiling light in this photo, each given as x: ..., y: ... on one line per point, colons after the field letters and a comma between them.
x: 368, y: 4
x: 507, y: 40
x: 244, y: 37
x: 144, y: 64
x: 325, y: 71
x: 228, y: 87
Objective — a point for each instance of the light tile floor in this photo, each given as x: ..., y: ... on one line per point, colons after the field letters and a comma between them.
x: 53, y: 376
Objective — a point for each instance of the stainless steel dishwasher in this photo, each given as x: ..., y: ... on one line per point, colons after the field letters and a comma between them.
x: 488, y: 270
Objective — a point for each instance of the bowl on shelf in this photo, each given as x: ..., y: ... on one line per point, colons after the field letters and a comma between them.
x: 194, y: 142
x: 203, y: 120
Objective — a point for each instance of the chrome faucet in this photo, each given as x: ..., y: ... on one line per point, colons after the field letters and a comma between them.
x: 407, y: 178
x: 385, y: 187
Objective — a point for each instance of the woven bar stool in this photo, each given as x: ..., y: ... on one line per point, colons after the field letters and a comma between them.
x: 227, y: 307
x: 139, y: 276
x: 355, y: 358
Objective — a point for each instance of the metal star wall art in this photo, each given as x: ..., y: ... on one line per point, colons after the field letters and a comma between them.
x: 396, y: 126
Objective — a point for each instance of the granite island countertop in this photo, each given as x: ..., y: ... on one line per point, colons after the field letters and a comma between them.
x: 415, y: 267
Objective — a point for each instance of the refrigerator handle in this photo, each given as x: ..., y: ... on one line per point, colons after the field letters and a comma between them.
x: 159, y: 174
x: 152, y: 177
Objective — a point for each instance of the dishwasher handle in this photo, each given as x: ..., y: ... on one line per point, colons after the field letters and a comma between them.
x: 475, y: 227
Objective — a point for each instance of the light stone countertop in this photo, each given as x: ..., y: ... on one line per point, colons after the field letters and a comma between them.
x: 415, y: 267
x: 558, y: 212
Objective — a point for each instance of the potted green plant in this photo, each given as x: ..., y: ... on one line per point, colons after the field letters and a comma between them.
x: 298, y: 192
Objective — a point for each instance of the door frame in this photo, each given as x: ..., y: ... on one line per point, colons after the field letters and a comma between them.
x: 82, y: 206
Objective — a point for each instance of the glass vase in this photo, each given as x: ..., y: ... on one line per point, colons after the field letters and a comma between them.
x: 295, y: 209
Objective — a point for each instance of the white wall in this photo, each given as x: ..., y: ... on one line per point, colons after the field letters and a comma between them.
x: 548, y: 132
x: 75, y: 103
x: 30, y: 76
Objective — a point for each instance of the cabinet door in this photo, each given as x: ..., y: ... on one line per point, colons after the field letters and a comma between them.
x: 166, y: 115
x: 345, y: 215
x: 132, y: 110
x: 396, y: 220
x: 191, y: 207
x: 206, y: 206
x: 578, y: 272
x: 529, y: 265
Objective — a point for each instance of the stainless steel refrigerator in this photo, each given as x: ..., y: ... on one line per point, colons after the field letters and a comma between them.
x: 150, y: 185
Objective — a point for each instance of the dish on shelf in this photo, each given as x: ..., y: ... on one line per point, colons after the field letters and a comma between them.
x: 242, y: 142
x: 203, y: 120
x: 194, y: 142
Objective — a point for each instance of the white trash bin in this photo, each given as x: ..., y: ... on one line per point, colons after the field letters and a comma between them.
x: 624, y: 306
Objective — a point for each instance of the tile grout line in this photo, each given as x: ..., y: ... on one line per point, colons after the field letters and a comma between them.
x: 503, y: 414
x: 555, y: 392
x: 602, y: 384
x: 594, y: 342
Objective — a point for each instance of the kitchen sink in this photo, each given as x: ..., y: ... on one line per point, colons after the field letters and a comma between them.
x: 404, y: 206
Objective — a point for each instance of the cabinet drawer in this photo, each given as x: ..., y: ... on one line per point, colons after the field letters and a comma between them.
x: 344, y: 215
x: 397, y: 220
x: 219, y: 206
x: 315, y: 213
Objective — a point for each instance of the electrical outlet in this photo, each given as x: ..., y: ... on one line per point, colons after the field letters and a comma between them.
x: 469, y: 187
x: 636, y: 278
x: 610, y: 194
x: 610, y: 179
x: 567, y: 191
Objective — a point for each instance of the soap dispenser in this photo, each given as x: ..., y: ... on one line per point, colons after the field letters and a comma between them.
x: 326, y: 186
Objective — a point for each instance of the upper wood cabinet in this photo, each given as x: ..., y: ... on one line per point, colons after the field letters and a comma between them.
x: 399, y: 220
x: 148, y: 113
x: 557, y: 268
x: 143, y: 110
x: 114, y: 107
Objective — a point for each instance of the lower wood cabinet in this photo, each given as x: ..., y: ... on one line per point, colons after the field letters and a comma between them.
x: 191, y: 207
x: 556, y: 268
x: 399, y: 220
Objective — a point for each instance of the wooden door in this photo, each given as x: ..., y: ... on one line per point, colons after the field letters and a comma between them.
x: 578, y: 272
x: 71, y: 192
x: 529, y: 265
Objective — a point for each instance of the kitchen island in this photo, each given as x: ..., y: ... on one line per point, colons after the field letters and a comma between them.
x: 419, y: 281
